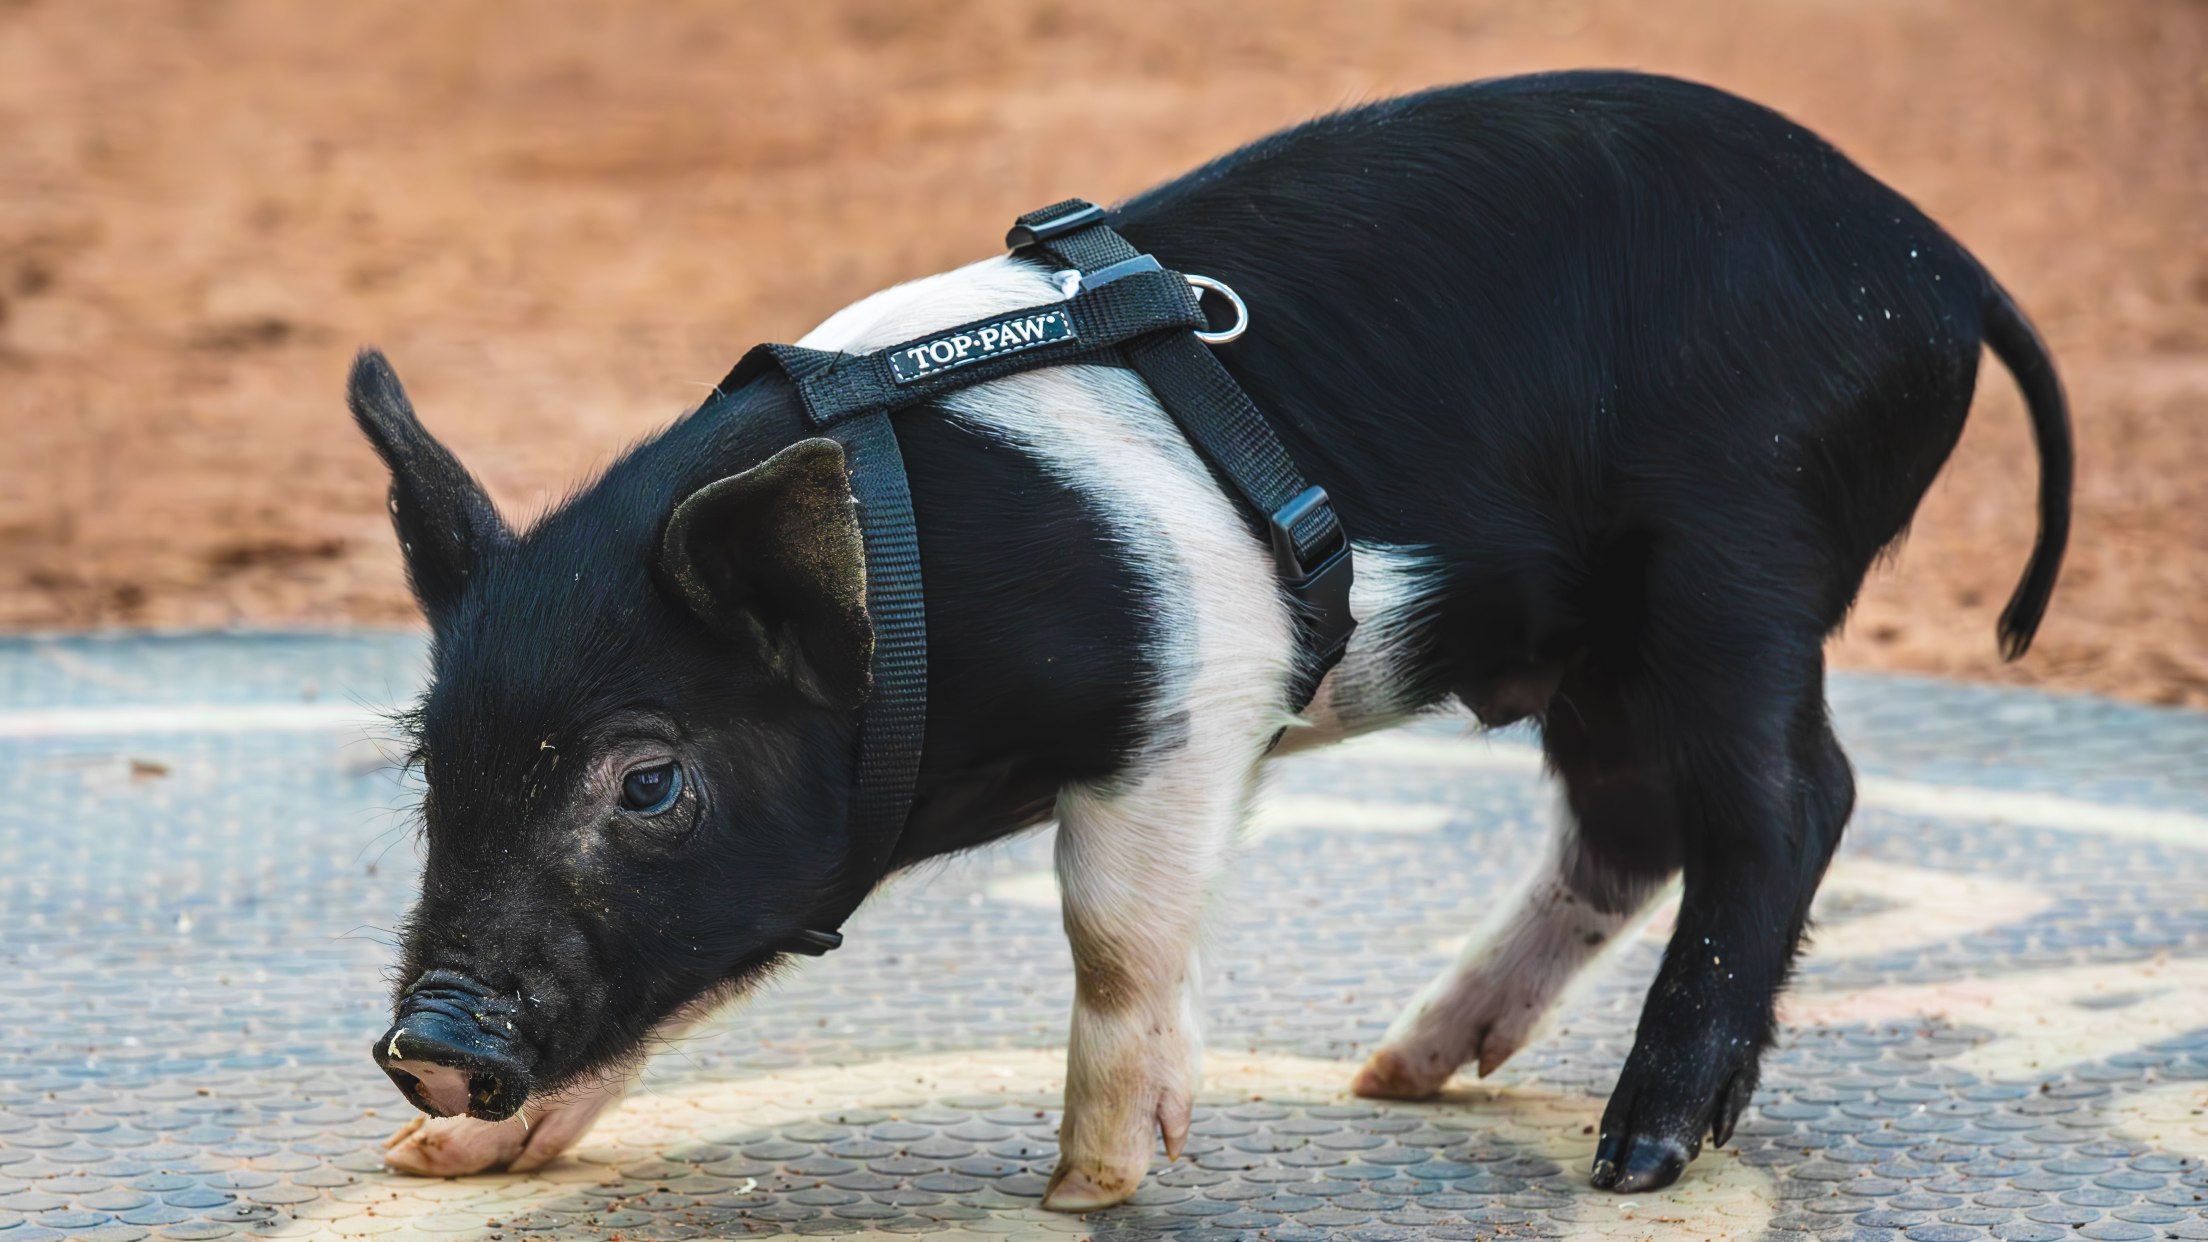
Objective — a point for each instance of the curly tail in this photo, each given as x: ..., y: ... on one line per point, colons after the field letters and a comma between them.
x: 2019, y: 348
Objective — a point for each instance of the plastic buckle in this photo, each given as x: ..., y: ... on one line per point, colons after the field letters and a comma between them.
x: 1036, y: 234
x: 1120, y: 271
x: 1071, y: 282
x: 1321, y: 587
x: 1283, y: 523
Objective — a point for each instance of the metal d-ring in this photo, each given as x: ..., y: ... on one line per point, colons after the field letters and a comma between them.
x: 1241, y: 310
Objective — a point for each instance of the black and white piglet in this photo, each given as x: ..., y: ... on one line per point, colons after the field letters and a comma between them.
x: 1620, y: 385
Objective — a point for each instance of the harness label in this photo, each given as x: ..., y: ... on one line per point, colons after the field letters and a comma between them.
x: 952, y: 350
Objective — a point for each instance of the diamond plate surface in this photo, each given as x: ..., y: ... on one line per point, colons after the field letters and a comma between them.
x: 2001, y: 1032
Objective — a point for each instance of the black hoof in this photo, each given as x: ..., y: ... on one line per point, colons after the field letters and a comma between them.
x: 1629, y: 1165
x: 1732, y: 1102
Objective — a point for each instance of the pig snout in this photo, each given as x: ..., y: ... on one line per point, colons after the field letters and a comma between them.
x: 455, y: 1048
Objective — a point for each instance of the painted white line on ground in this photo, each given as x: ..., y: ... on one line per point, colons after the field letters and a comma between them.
x: 2032, y: 810
x: 1904, y: 797
x: 225, y: 718
x: 1289, y: 812
x: 2045, y: 1020
x: 1884, y: 793
x: 1423, y: 749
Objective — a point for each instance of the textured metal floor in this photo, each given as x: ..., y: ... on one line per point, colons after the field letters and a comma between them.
x: 2003, y: 1030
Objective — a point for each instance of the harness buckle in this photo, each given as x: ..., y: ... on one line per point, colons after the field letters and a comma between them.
x: 1072, y: 281
x: 1024, y: 234
x: 1321, y: 583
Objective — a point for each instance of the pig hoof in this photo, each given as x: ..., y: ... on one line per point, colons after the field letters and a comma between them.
x: 1092, y: 1175
x: 453, y: 1146
x: 1081, y: 1189
x: 1638, y: 1164
x: 1494, y: 1051
x: 1391, y: 1076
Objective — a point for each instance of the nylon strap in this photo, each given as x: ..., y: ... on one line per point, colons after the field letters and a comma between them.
x: 837, y: 386
x: 1223, y: 423
x: 895, y: 717
x: 1134, y: 311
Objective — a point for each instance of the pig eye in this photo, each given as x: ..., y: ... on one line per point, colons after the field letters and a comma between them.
x: 649, y: 791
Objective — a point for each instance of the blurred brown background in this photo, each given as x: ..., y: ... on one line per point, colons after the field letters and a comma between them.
x: 565, y: 220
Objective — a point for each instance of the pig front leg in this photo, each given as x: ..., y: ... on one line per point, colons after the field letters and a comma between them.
x: 459, y: 1146
x: 1134, y: 871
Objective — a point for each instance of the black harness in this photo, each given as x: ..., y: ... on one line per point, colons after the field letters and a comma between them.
x: 1122, y: 308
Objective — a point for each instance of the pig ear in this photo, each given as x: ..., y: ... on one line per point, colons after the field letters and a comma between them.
x: 446, y: 523
x: 773, y: 558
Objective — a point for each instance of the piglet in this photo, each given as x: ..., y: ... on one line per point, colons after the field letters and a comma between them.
x: 1619, y: 384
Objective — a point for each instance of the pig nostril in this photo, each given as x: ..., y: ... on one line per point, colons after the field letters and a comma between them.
x: 454, y: 1049
x: 439, y: 1090
x: 415, y: 1093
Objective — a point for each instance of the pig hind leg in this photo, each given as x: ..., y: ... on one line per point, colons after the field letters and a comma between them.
x: 1612, y: 847
x: 1761, y: 792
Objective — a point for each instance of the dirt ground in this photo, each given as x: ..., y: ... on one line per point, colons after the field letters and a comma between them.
x: 564, y: 221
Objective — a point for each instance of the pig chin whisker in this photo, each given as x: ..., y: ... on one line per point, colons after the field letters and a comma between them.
x: 671, y: 1041
x: 405, y: 725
